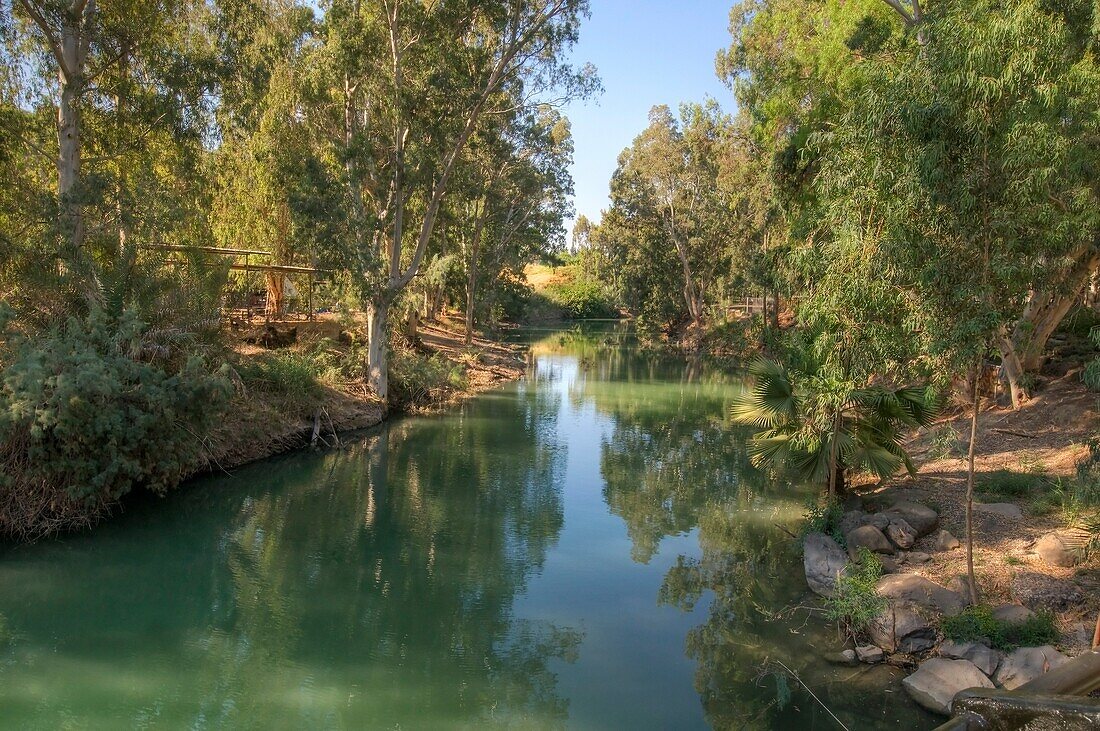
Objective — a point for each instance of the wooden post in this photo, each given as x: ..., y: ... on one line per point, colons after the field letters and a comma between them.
x: 311, y: 296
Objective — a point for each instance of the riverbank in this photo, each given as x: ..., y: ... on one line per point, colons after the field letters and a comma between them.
x: 262, y: 424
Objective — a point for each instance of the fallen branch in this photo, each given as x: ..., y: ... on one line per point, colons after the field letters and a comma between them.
x: 1013, y: 433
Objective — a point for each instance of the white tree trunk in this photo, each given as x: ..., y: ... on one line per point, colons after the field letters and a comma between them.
x: 377, y: 354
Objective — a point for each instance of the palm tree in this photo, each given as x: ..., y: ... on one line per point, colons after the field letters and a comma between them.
x: 814, y: 421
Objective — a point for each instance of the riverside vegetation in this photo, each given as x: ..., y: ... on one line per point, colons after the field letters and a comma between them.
x: 899, y: 227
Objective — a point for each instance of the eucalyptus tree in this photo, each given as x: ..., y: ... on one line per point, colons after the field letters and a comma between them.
x: 401, y: 86
x: 131, y: 105
x: 967, y: 152
x: 517, y: 198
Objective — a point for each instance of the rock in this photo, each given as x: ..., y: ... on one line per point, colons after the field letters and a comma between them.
x: 936, y: 682
x: 901, y: 534
x: 878, y: 520
x: 869, y: 654
x: 923, y: 519
x: 1054, y: 551
x: 869, y: 537
x: 902, y: 627
x: 846, y: 657
x: 921, y: 592
x: 851, y: 520
x: 1012, y: 613
x: 824, y: 560
x: 889, y: 564
x: 984, y: 658
x: 944, y: 541
x: 1026, y: 664
x: 1042, y: 591
x: 915, y: 557
x: 852, y: 503
x: 1005, y: 510
x: 960, y: 586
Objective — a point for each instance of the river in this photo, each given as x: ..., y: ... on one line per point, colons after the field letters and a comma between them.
x: 587, y: 549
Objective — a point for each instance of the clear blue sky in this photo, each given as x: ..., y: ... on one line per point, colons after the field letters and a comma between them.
x: 647, y: 52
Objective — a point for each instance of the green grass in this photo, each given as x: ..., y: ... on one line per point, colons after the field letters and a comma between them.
x: 855, y: 601
x: 824, y: 517
x: 291, y: 375
x: 978, y: 623
x: 1005, y: 483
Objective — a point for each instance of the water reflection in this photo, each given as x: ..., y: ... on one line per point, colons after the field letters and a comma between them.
x: 365, y: 589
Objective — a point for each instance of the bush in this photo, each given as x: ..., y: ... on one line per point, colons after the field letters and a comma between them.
x: 824, y: 517
x: 855, y: 601
x: 84, y: 420
x: 582, y: 300
x: 978, y: 623
x: 1009, y: 484
x: 417, y: 379
x: 295, y: 377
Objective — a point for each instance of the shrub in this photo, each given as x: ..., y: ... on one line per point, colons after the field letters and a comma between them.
x: 1009, y: 484
x: 84, y: 420
x: 582, y: 300
x: 978, y: 623
x: 855, y: 601
x: 823, y: 516
x: 417, y: 379
x: 293, y: 376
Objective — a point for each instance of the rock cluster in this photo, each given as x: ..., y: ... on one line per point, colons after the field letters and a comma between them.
x: 907, y: 625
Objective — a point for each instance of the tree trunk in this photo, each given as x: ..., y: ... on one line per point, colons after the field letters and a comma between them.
x: 377, y: 356
x: 972, y: 584
x: 1039, y: 321
x: 1012, y: 371
x: 471, y: 283
x: 835, y: 470
x: 68, y: 139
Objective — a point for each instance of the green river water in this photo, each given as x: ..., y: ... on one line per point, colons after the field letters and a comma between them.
x: 584, y: 549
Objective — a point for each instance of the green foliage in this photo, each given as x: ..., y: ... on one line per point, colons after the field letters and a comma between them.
x: 86, y: 416
x: 1009, y: 484
x: 823, y: 516
x: 1091, y: 374
x: 418, y: 380
x: 978, y: 624
x: 802, y: 412
x: 855, y: 602
x: 292, y: 376
x: 582, y: 300
x: 944, y: 443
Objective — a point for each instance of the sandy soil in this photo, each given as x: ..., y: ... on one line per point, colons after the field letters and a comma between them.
x: 1046, y: 436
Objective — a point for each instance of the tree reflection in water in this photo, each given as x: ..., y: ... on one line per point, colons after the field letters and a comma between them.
x: 370, y: 588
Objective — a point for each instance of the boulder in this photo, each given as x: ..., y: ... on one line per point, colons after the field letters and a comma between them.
x: 845, y: 657
x: 902, y: 627
x: 1010, y: 511
x: 960, y: 586
x: 851, y: 520
x: 889, y: 563
x: 923, y: 519
x: 1012, y: 613
x: 1026, y: 664
x: 824, y: 560
x: 915, y: 557
x: 936, y: 682
x: 944, y: 541
x: 1042, y: 590
x: 878, y: 520
x: 901, y: 534
x: 869, y: 537
x: 984, y: 658
x: 869, y: 654
x: 1054, y: 551
x: 921, y: 592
